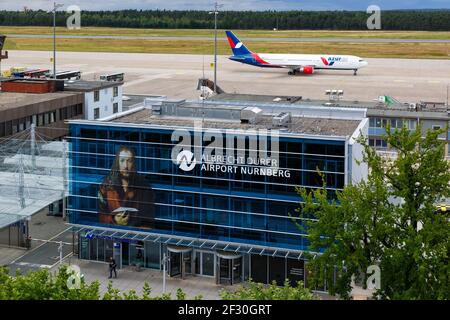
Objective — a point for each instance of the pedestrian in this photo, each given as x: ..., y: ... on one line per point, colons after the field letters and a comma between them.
x: 112, y: 267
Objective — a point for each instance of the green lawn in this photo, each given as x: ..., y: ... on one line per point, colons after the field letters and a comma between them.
x: 387, y: 50
x: 241, y: 33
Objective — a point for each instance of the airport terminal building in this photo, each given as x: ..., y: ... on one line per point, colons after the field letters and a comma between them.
x: 209, y: 185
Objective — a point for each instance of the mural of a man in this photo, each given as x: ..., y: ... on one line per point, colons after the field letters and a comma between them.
x: 125, y: 197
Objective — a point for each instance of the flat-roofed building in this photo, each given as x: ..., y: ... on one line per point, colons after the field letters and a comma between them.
x: 210, y: 184
x: 47, y: 111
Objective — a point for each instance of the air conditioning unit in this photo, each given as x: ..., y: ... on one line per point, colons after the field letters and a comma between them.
x: 281, y: 120
x: 251, y: 115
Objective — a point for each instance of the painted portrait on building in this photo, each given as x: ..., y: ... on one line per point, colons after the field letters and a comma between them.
x: 125, y: 197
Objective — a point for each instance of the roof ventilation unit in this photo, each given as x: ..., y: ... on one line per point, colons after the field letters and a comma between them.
x: 281, y: 120
x: 251, y: 115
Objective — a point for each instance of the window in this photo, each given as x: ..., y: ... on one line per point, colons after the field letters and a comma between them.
x: 412, y: 124
x: 436, y: 127
x: 22, y: 123
x: 96, y: 113
x: 63, y: 113
x: 52, y: 116
x: 378, y: 143
x: 73, y: 110
x: 115, y: 107
x: 8, y: 128
x: 2, y: 129
x: 115, y: 91
x: 396, y: 123
x: 27, y: 122
x: 96, y: 95
x: 378, y: 123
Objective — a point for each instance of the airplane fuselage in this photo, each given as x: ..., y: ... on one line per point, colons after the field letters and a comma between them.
x: 294, y: 61
x: 297, y: 63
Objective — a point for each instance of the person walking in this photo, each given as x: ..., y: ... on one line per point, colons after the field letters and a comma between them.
x: 112, y: 267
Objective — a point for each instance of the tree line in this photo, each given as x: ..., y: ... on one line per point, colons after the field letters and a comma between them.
x: 426, y: 20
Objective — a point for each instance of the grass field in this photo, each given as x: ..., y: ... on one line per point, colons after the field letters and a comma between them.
x: 242, y: 33
x: 388, y: 50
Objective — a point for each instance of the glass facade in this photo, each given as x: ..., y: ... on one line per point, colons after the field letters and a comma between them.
x: 124, y: 178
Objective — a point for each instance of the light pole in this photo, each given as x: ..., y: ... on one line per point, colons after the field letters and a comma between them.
x: 448, y: 86
x: 164, y: 261
x: 215, y: 12
x: 55, y: 7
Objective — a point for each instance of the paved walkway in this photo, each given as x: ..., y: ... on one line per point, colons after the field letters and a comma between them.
x: 128, y: 279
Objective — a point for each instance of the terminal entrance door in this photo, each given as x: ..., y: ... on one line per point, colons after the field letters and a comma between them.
x: 180, y: 261
x: 229, y: 267
x: 175, y: 264
x: 204, y: 263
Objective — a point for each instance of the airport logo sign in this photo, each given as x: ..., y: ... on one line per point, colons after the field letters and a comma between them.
x: 243, y: 152
x: 331, y: 60
x: 186, y: 160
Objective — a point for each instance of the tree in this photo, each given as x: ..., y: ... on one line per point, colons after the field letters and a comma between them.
x: 43, y: 285
x: 389, y: 220
x: 259, y: 291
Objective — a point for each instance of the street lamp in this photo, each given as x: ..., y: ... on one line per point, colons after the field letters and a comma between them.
x: 165, y: 259
x: 215, y: 12
x: 448, y: 86
x: 55, y: 7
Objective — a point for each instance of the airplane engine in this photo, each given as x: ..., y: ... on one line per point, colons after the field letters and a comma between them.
x: 307, y: 70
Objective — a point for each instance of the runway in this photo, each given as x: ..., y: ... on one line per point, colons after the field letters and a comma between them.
x: 176, y: 75
x: 349, y: 40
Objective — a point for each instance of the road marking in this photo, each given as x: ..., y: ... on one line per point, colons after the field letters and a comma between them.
x: 399, y: 80
x: 33, y: 265
x: 14, y: 261
x: 433, y: 81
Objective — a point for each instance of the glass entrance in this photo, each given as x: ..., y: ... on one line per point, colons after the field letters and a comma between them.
x: 204, y: 263
x: 137, y: 254
x: 174, y: 264
x: 180, y: 263
x: 229, y: 268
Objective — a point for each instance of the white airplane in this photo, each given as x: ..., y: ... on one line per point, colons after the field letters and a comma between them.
x: 297, y: 63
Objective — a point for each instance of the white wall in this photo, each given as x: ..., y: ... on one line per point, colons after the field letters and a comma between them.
x: 357, y: 172
x: 105, y: 104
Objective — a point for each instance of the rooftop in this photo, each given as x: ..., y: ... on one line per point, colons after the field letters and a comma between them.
x: 432, y: 110
x: 12, y: 100
x: 299, y: 125
x: 87, y: 86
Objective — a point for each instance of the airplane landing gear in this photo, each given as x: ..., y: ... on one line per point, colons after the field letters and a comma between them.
x: 292, y: 72
x: 355, y: 72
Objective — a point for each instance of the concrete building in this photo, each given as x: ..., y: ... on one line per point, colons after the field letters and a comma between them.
x: 223, y: 217
x: 431, y: 115
x: 47, y: 108
x: 101, y: 98
x: 48, y: 103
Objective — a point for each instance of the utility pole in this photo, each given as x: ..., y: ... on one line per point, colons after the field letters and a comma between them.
x: 448, y: 86
x: 55, y: 7
x: 215, y: 12
x: 60, y: 250
x: 33, y: 147
x: 64, y: 174
x: 164, y: 272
